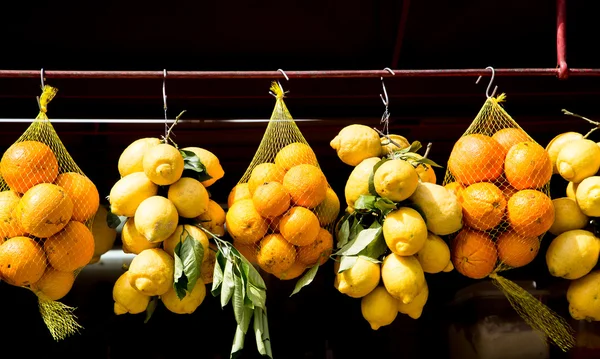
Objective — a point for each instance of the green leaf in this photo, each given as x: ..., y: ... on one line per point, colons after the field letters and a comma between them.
x: 238, y: 342
x: 384, y: 205
x: 372, y: 175
x: 306, y: 279
x: 414, y: 147
x: 239, y: 309
x: 179, y: 278
x: 427, y: 161
x: 188, y: 255
x: 365, y: 202
x: 217, y: 276
x: 150, y: 308
x: 112, y: 220
x: 257, y: 296
x: 255, y: 279
x: 375, y: 249
x: 354, y: 232
x: 261, y: 332
x: 344, y: 232
x: 228, y: 283
x: 364, y: 238
x: 346, y: 263
x: 193, y: 167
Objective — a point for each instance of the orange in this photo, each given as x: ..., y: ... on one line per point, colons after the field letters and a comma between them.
x: 295, y: 154
x: 22, y: 261
x: 9, y: 226
x: 474, y: 254
x: 239, y: 192
x: 44, y: 210
x: 276, y: 255
x: 263, y: 173
x: 508, y: 137
x: 516, y: 251
x: 70, y: 249
x: 82, y: 192
x: 483, y: 206
x: 244, y: 223
x: 27, y: 163
x: 306, y: 185
x: 530, y: 213
x: 271, y: 199
x: 249, y: 251
x: 527, y: 165
x: 508, y: 190
x: 54, y: 284
x: 299, y: 226
x: 456, y: 188
x: 317, y: 251
x: 293, y: 272
x: 476, y: 158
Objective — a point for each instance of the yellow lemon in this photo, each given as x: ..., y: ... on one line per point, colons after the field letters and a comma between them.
x: 128, y: 192
x: 443, y: 212
x: 449, y: 267
x: 584, y: 297
x: 156, y: 218
x: 131, y: 158
x: 588, y: 196
x: 151, y: 272
x: 358, y: 181
x: 133, y: 241
x: 328, y: 210
x: 578, y: 160
x: 571, y: 190
x: 387, y: 147
x: 213, y: 220
x: 355, y: 143
x: 414, y: 309
x: 403, y: 277
x: 379, y: 308
x: 211, y: 162
x: 557, y: 143
x: 434, y: 256
x: 425, y: 171
x: 189, y: 197
x: 196, y: 233
x: 396, y: 180
x: 104, y: 236
x: 567, y: 216
x: 404, y: 231
x: 189, y: 303
x: 573, y: 254
x: 359, y: 280
x: 127, y: 299
x: 163, y: 164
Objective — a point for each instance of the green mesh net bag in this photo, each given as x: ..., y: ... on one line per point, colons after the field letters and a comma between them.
x: 47, y: 207
x: 282, y: 211
x: 501, y: 177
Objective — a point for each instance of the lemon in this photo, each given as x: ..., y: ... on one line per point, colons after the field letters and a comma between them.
x: 328, y: 210
x: 567, y: 216
x: 358, y: 181
x: 128, y: 192
x: 443, y: 212
x: 588, y: 196
x: 557, y: 143
x: 211, y: 162
x: 571, y: 190
x: 395, y: 180
x: 151, y: 272
x: 414, y: 309
x: 449, y: 267
x: 359, y: 280
x: 379, y: 308
x: 189, y: 303
x: 127, y: 299
x: 434, y: 256
x: 584, y: 297
x: 388, y: 147
x: 131, y: 158
x: 196, y: 233
x: 572, y: 254
x: 156, y: 218
x: 104, y: 236
x: 355, y: 143
x: 403, y: 277
x: 189, y: 197
x: 425, y: 171
x: 163, y: 164
x: 133, y: 241
x: 213, y: 220
x: 208, y: 265
x: 578, y: 160
x: 404, y: 231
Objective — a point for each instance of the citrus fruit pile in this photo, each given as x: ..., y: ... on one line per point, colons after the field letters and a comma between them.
x: 162, y: 192
x: 279, y: 218
x: 391, y: 233
x: 573, y: 253
x: 501, y: 182
x: 45, y: 220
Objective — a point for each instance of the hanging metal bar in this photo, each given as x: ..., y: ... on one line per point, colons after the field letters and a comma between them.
x: 72, y: 74
x: 144, y: 120
x: 561, y: 39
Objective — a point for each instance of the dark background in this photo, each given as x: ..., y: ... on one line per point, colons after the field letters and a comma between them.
x: 293, y: 35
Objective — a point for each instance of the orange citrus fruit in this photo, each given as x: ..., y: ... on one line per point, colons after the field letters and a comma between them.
x: 516, y: 251
x: 82, y: 192
x: 44, y: 210
x: 71, y: 248
x: 530, y: 213
x: 306, y: 185
x: 475, y: 158
x: 474, y: 254
x: 527, y: 165
x: 22, y: 261
x: 27, y: 163
x: 299, y: 226
x: 483, y: 205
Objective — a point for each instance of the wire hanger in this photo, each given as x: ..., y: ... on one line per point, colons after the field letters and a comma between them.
x: 386, y: 102
x: 164, y: 92
x: 487, y: 90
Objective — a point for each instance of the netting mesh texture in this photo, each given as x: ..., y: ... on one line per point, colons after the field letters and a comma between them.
x: 47, y: 207
x: 282, y: 211
x: 501, y: 177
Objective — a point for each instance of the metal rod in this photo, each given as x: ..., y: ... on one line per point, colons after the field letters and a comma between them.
x: 143, y: 120
x: 69, y: 74
x: 561, y: 39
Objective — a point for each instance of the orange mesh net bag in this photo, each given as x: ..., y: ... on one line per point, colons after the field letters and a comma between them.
x: 47, y: 209
x: 282, y: 211
x: 501, y: 177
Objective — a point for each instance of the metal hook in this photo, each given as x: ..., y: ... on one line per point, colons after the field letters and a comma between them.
x: 284, y: 74
x: 42, y: 77
x: 386, y: 100
x: 164, y: 91
x: 487, y: 90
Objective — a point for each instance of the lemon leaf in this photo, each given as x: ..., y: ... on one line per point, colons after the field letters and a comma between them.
x: 112, y: 220
x: 375, y: 249
x: 365, y: 202
x: 384, y: 205
x: 364, y: 238
x: 241, y: 312
x: 255, y: 279
x: 193, y: 167
x: 343, y: 233
x: 228, y: 283
x: 150, y: 308
x: 261, y: 332
x: 217, y: 276
x: 427, y: 161
x: 306, y: 279
x: 238, y: 342
x: 372, y: 176
x: 256, y: 295
x: 188, y: 263
x: 346, y: 263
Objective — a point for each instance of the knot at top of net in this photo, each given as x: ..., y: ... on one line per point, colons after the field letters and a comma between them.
x: 276, y: 90
x: 48, y: 93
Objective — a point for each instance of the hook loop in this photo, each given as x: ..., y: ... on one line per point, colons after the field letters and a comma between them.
x: 284, y: 74
x: 42, y: 77
x: 487, y: 90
